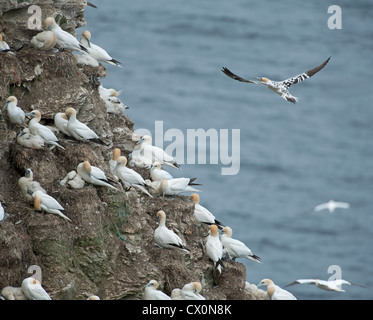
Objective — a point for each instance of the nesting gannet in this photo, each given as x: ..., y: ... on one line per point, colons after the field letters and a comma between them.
x: 158, y: 174
x: 151, y: 292
x: 274, y: 292
x: 65, y: 40
x: 328, y: 285
x: 45, y: 202
x: 214, y: 248
x: 236, y: 248
x: 73, y: 179
x: 93, y: 175
x: 95, y: 51
x: 78, y: 129
x: 2, y: 212
x: 28, y: 140
x: 38, y: 129
x: 138, y: 160
x: 4, y: 47
x: 107, y: 93
x: 60, y: 121
x: 113, y: 161
x: 13, y: 293
x: 112, y: 102
x: 86, y: 60
x: 165, y: 237
x: 44, y: 41
x: 176, y: 294
x: 130, y: 177
x: 156, y: 154
x: 33, y: 289
x: 332, y: 205
x: 15, y: 113
x: 191, y: 291
x: 155, y: 187
x: 280, y: 87
x: 28, y: 186
x: 176, y: 186
x: 202, y: 214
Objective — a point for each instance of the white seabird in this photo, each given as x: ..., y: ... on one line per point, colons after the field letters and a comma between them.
x: 28, y: 140
x: 13, y: 293
x: 138, y: 160
x: 2, y: 212
x: 113, y: 162
x: 130, y: 177
x: 93, y: 175
x: 176, y: 186
x: 61, y: 121
x: 28, y: 186
x: 4, y: 47
x: 328, y: 285
x: 158, y: 174
x: 15, y: 113
x: 156, y: 154
x: 38, y: 129
x: 33, y: 290
x: 331, y: 205
x: 151, y: 292
x: 86, y: 60
x: 202, y: 214
x: 214, y: 248
x: 274, y: 292
x: 191, y: 291
x: 280, y: 87
x: 112, y: 102
x: 78, y: 129
x: 95, y: 51
x: 44, y: 41
x: 45, y: 202
x: 236, y: 248
x: 64, y: 39
x: 165, y: 237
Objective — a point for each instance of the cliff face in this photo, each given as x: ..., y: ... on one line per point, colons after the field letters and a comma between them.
x: 108, y: 248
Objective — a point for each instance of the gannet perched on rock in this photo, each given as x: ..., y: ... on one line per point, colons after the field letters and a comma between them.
x: 202, y: 214
x: 28, y: 140
x: 64, y: 40
x: 330, y: 285
x: 44, y: 41
x: 95, y: 51
x: 176, y: 186
x: 2, y: 212
x: 38, y: 129
x: 29, y: 186
x: 13, y: 293
x: 274, y: 292
x: 61, y: 121
x: 113, y: 161
x: 191, y: 291
x: 33, y: 290
x: 280, y: 87
x: 4, y: 47
x: 214, y: 248
x: 151, y: 292
x: 45, y: 202
x: 236, y: 248
x: 15, y: 113
x: 93, y: 175
x: 158, y: 174
x: 165, y: 237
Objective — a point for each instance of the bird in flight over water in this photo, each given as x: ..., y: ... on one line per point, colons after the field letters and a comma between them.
x: 280, y: 87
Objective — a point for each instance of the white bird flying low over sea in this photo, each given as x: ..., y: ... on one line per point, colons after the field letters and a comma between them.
x: 38, y: 129
x: 165, y: 237
x: 328, y: 285
x: 78, y: 129
x: 65, y: 40
x: 95, y: 51
x: 176, y: 186
x: 202, y: 214
x: 151, y: 292
x: 280, y: 87
x: 15, y: 113
x: 155, y: 153
x: 45, y: 202
x: 93, y: 175
x: 33, y: 290
x: 4, y: 47
x: 214, y: 248
x: 331, y: 205
x: 236, y: 248
x: 274, y: 292
x: 44, y: 41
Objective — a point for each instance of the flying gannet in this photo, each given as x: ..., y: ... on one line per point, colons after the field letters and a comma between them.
x: 331, y: 205
x: 279, y: 87
x: 328, y: 285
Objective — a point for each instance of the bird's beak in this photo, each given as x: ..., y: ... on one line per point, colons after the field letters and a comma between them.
x: 49, y: 28
x: 259, y: 285
x: 89, y: 43
x: 5, y: 106
x: 67, y: 116
x: 117, y: 166
x: 141, y: 140
x: 30, y: 114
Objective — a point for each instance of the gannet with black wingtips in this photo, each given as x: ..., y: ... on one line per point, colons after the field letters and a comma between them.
x: 214, y: 248
x: 279, y: 87
x: 44, y: 202
x: 176, y: 186
x: 328, y: 285
x: 202, y: 214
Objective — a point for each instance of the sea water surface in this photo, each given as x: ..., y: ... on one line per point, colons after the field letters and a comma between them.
x: 292, y: 157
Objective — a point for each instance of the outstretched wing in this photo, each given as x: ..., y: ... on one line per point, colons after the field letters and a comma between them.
x: 305, y: 75
x: 234, y: 76
x: 301, y: 281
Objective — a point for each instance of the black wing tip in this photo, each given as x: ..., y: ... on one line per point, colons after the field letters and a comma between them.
x: 83, y: 48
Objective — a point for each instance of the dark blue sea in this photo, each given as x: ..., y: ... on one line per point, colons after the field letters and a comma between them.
x: 292, y: 156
